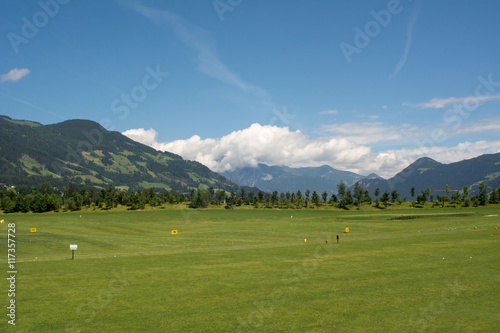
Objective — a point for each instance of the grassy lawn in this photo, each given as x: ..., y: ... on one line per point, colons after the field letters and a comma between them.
x: 249, y: 270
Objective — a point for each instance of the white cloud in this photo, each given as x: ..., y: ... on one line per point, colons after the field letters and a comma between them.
x: 200, y: 41
x: 409, y: 36
x: 491, y: 124
x: 448, y: 154
x: 384, y: 107
x: 369, y: 132
x: 329, y: 112
x: 440, y: 103
x: 15, y: 75
x: 371, y: 117
x: 267, y: 144
x: 274, y: 145
x: 147, y: 137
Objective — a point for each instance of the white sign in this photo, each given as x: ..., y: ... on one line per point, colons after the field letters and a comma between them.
x: 73, y: 247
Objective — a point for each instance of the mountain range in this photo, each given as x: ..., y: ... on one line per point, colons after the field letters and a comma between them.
x: 285, y: 179
x: 426, y: 172
x: 84, y: 152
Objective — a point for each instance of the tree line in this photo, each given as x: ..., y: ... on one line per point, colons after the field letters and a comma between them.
x: 76, y: 197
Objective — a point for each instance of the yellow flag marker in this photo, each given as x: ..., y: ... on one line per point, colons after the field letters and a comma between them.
x: 1, y: 221
x: 346, y: 229
x: 305, y: 240
x: 174, y: 232
x: 32, y: 229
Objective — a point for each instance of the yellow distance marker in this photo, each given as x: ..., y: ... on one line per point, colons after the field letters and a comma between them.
x: 1, y: 221
x: 346, y: 229
x: 305, y: 240
x: 174, y: 232
x: 32, y: 229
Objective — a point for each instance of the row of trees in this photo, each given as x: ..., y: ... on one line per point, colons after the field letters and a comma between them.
x: 47, y: 198
x: 459, y: 197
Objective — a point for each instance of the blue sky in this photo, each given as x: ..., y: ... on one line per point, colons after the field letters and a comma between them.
x: 365, y: 86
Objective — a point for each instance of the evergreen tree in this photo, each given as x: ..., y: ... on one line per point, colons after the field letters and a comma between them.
x: 447, y: 191
x: 483, y: 194
x: 324, y: 196
x: 315, y: 198
x: 341, y: 190
x: 358, y: 194
x: 333, y: 199
x: 493, y: 197
x: 385, y: 199
x: 367, y: 198
x: 394, y: 196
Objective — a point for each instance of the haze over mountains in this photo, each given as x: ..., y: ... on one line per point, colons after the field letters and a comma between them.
x: 82, y: 151
x: 284, y: 179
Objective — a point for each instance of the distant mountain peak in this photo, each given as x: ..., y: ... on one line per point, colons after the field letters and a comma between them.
x: 426, y: 161
x: 288, y: 179
x: 427, y: 173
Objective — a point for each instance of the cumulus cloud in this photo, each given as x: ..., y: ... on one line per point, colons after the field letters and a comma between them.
x: 440, y: 103
x: 15, y: 75
x: 275, y: 145
x: 147, y: 137
x: 267, y: 144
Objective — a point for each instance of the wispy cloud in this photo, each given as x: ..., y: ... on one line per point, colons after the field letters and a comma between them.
x: 491, y: 124
x: 440, y: 103
x: 371, y: 116
x: 409, y: 36
x: 329, y: 112
x: 369, y: 132
x: 200, y: 41
x: 32, y: 105
x: 15, y: 75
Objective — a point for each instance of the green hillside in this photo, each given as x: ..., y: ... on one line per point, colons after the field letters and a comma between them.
x: 426, y: 172
x: 84, y: 152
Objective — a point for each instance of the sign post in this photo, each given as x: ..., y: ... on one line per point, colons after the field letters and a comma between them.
x: 73, y: 247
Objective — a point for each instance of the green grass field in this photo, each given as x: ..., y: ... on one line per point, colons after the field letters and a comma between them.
x: 412, y: 270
